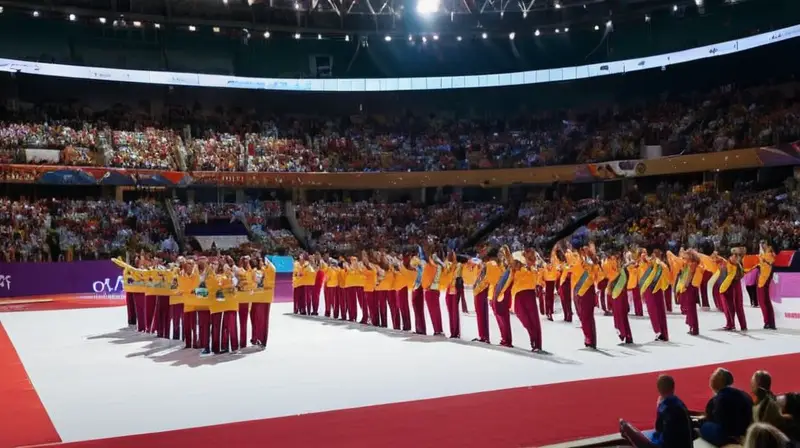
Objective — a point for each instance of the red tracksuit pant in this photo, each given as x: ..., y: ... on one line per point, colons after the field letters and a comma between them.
x: 403, y: 309
x: 482, y: 314
x: 434, y: 310
x: 525, y: 309
x: 503, y: 317
x: 259, y: 321
x: 418, y: 303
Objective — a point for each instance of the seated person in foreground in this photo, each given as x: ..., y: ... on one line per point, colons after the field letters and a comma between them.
x: 673, y: 424
x: 728, y: 414
x: 762, y: 435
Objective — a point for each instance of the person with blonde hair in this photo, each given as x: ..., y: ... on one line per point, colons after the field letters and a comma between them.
x: 763, y: 435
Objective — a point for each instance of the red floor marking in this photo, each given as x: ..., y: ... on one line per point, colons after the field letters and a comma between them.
x: 59, y: 303
x: 23, y: 416
x: 530, y: 416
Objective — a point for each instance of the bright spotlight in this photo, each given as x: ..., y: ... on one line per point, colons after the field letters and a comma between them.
x: 699, y: 3
x: 297, y: 35
x: 388, y: 38
x: 674, y: 8
x: 558, y: 30
x: 157, y: 25
x: 427, y: 6
x: 484, y: 36
x: 102, y: 20
x: 1, y: 9
x: 347, y: 38
x: 609, y: 24
x: 215, y: 29
x: 558, y: 5
x: 536, y: 33
x: 458, y: 38
x: 35, y: 13
x: 647, y: 18
x: 596, y: 27
x: 512, y: 35
x: 424, y: 40
x: 224, y: 2
x: 410, y: 38
x: 192, y: 28
x: 435, y: 37
x: 138, y: 24
x: 566, y: 30
x: 266, y: 34
x: 319, y: 36
x: 297, y: 6
x: 524, y: 14
x: 72, y: 17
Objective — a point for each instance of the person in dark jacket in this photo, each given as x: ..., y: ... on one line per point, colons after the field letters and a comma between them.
x: 673, y: 428
x: 728, y: 414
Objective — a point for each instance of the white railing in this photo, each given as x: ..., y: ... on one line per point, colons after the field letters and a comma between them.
x: 398, y: 84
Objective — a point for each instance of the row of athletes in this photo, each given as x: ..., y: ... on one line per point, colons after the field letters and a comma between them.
x: 200, y: 300
x: 516, y: 282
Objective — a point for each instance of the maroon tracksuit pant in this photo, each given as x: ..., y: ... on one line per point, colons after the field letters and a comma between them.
x: 525, y: 309
x: 668, y: 299
x: 190, y: 335
x: 586, y: 314
x: 482, y: 314
x: 549, y: 298
x: 601, y: 295
x: 394, y: 309
x: 319, y: 282
x: 139, y: 303
x: 636, y: 297
x: 330, y: 302
x: 203, y: 328
x: 150, y: 313
x: 704, y: 289
x: 259, y: 320
x: 454, y: 316
x: 689, y: 301
x: 382, y: 304
x: 351, y: 294
x: 403, y: 308
x: 244, y: 311
x: 176, y: 314
x: 620, y: 311
x: 418, y: 303
x: 565, y: 292
x: 223, y: 332
x: 501, y: 310
x: 657, y: 311
x: 131, y: 307
x: 765, y: 303
x: 434, y: 310
x: 734, y: 306
x: 300, y: 299
x: 371, y: 300
x: 363, y: 303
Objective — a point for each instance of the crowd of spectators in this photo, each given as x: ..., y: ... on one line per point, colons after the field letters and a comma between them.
x: 671, y: 217
x: 66, y: 230
x: 754, y: 417
x: 724, y: 119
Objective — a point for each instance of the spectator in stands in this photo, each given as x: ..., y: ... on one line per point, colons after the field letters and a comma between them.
x: 762, y: 435
x: 673, y: 427
x: 728, y: 414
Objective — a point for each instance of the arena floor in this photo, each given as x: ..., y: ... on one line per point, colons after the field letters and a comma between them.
x: 322, y: 383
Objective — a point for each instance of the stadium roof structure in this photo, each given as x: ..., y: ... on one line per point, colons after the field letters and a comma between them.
x: 365, y: 17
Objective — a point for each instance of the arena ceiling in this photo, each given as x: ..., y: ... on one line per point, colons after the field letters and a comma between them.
x: 367, y: 16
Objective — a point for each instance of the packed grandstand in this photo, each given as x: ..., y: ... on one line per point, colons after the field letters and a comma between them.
x: 92, y: 170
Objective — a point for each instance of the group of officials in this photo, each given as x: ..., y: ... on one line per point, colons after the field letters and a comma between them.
x: 200, y: 300
x: 379, y: 285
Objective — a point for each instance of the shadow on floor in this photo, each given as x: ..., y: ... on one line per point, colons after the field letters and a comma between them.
x: 429, y: 339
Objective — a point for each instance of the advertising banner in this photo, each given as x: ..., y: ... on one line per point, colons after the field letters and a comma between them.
x: 88, y: 279
x: 785, y: 294
x: 102, y: 278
